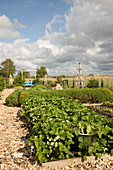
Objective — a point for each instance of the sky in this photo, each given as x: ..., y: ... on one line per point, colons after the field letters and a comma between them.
x: 58, y: 34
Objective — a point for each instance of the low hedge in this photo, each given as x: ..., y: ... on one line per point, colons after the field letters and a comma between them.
x: 1, y: 83
x: 13, y: 98
x: 97, y: 95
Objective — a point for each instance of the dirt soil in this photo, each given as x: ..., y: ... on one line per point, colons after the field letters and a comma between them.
x: 102, y: 110
x: 15, y: 153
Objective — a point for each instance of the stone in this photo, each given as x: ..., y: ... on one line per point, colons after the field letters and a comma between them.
x: 17, y: 155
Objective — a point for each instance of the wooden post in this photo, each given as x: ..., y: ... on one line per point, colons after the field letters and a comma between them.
x: 35, y: 75
x: 22, y: 74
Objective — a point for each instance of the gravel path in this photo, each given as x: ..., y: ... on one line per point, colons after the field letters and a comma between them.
x: 13, y: 148
x: 15, y: 153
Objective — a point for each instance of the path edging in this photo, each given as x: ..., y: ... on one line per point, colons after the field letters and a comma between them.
x: 72, y: 161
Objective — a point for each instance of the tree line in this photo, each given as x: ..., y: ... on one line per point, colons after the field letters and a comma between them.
x: 7, y: 67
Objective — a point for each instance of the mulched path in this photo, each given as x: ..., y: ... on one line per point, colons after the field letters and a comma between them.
x: 14, y: 150
x: 15, y: 153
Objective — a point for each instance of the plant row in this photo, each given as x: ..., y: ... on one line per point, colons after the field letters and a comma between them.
x: 63, y: 128
x: 97, y: 95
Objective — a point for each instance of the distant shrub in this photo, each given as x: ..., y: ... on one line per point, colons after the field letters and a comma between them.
x: 93, y: 83
x: 87, y: 95
x: 22, y: 97
x: 18, y: 87
x: 1, y: 83
x: 8, y: 86
x: 51, y: 83
x: 13, y: 98
x: 97, y: 95
x: 108, y: 90
x: 41, y: 86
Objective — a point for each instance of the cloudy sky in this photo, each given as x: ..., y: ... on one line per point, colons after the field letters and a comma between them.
x: 58, y: 34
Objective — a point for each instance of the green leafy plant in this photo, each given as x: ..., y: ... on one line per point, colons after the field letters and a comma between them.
x: 1, y: 83
x: 13, y: 98
x: 108, y: 110
x: 58, y: 125
x: 93, y: 83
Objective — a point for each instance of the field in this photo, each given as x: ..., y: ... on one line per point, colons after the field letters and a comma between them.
x: 107, y: 80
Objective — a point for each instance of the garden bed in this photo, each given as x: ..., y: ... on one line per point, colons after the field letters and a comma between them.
x: 56, y: 124
x: 103, y: 110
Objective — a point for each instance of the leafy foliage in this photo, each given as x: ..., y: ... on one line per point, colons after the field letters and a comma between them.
x: 18, y: 79
x: 13, y: 98
x: 7, y: 68
x: 1, y: 83
x: 58, y: 125
x: 42, y: 71
x: 59, y: 78
x: 93, y: 83
x: 82, y: 95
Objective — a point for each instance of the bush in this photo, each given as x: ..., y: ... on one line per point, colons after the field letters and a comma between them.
x: 51, y: 83
x: 93, y: 83
x: 108, y: 90
x: 8, y: 86
x: 13, y: 98
x: 22, y: 97
x: 1, y: 83
x: 97, y: 95
x: 41, y: 86
x: 18, y: 87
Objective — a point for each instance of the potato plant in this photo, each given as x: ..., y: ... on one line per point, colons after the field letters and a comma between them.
x: 57, y: 124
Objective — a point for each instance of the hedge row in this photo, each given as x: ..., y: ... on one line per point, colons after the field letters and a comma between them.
x: 1, y: 83
x: 97, y: 95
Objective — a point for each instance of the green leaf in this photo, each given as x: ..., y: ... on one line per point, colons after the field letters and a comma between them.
x: 111, y: 151
x: 103, y: 141
x: 76, y: 132
x: 80, y: 139
x: 99, y: 155
x: 61, y: 156
x: 99, y: 133
x: 80, y: 145
x: 67, y: 156
x: 52, y: 158
x: 45, y: 151
x: 90, y: 149
x: 52, y: 132
x: 88, y: 129
x: 86, y: 141
x: 41, y: 158
x: 80, y: 153
x: 85, y: 158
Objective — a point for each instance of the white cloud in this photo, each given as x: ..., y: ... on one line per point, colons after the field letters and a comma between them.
x: 7, y: 28
x: 88, y: 38
x: 56, y: 19
x: 16, y: 23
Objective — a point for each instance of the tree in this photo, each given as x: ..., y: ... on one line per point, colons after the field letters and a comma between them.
x: 42, y: 71
x: 7, y: 68
x: 91, y: 75
x: 59, y: 78
x: 93, y: 83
